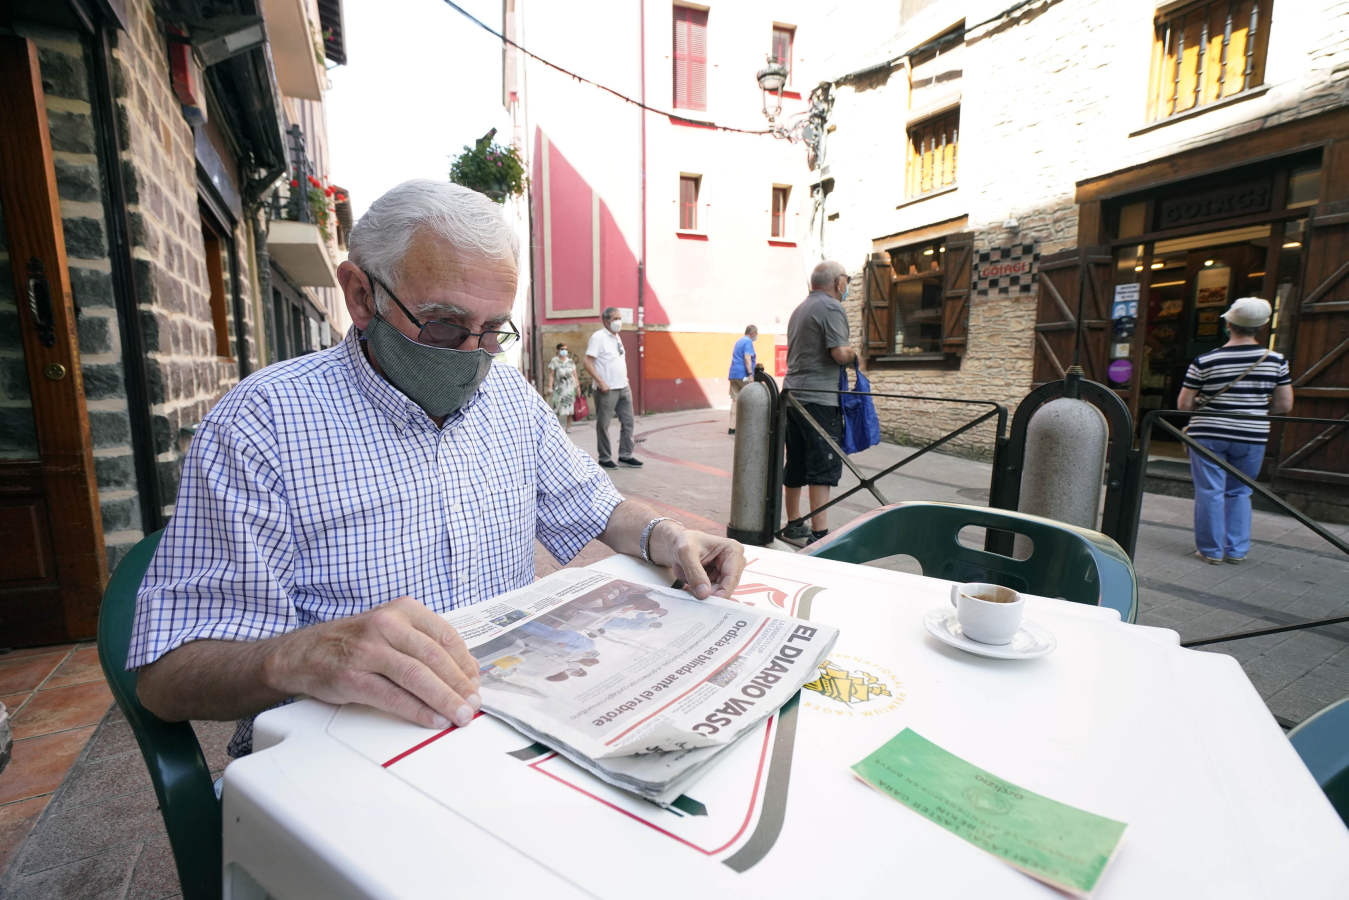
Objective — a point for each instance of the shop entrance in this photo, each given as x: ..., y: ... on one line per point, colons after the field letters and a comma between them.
x: 1189, y: 282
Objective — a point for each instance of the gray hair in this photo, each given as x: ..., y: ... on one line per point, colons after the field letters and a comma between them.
x: 465, y: 219
x: 1243, y: 330
x: 825, y: 274
x: 751, y: 329
x: 608, y: 311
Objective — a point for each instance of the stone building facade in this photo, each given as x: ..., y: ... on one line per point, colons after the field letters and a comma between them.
x: 1045, y: 109
x: 160, y: 214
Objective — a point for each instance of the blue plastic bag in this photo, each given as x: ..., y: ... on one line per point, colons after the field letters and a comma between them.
x: 861, y: 425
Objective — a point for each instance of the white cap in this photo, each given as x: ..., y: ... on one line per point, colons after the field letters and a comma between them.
x: 1248, y: 312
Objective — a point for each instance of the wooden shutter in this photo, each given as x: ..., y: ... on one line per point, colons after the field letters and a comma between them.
x: 957, y: 269
x: 1061, y: 280
x: 690, y: 58
x: 1320, y: 355
x: 688, y: 203
x: 877, y: 319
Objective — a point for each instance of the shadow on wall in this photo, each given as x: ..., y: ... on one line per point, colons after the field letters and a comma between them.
x: 582, y: 264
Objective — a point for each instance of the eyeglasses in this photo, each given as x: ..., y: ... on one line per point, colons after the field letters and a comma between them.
x: 448, y: 335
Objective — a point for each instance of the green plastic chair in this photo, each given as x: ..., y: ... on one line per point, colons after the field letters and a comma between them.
x: 179, y: 772
x: 1323, y: 743
x: 1066, y: 561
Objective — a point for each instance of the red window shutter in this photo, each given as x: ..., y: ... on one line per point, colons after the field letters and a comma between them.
x: 690, y: 58
x: 782, y: 48
x: 688, y: 203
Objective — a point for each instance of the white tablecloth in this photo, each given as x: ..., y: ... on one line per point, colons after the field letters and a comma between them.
x: 1118, y: 720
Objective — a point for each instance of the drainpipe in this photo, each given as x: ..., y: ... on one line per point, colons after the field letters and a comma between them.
x: 641, y: 261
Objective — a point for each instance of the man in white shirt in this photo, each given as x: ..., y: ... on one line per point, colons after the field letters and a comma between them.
x: 608, y: 368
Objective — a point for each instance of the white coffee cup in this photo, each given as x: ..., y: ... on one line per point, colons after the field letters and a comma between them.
x: 988, y: 613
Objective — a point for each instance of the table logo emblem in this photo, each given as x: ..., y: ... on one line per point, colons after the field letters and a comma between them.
x: 854, y: 685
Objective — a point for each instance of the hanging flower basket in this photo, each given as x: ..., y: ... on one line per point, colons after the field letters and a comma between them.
x: 491, y: 169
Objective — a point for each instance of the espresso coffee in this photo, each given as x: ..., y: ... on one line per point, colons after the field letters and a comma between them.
x: 993, y: 594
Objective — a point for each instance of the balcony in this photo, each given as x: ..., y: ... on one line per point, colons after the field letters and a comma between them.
x: 297, y: 51
x: 298, y: 238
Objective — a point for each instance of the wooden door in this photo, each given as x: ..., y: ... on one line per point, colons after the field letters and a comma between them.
x: 52, y: 563
x: 1063, y: 279
x: 1320, y: 356
x: 878, y: 327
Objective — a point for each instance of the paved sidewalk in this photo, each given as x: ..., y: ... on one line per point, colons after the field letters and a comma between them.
x: 101, y: 835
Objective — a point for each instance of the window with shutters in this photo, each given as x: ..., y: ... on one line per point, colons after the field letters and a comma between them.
x: 1205, y: 52
x: 931, y: 164
x: 690, y: 58
x: 783, y: 38
x: 688, y: 201
x: 916, y: 305
x: 778, y: 222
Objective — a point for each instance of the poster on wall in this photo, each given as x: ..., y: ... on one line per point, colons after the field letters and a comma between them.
x: 1211, y: 286
x: 1126, y: 301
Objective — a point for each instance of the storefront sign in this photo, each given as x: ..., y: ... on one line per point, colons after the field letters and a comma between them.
x: 1220, y: 203
x: 1119, y: 371
x: 1007, y: 271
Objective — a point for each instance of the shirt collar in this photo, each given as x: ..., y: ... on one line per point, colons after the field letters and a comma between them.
x: 398, y: 407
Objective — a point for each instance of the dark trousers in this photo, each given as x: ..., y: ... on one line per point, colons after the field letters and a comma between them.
x: 619, y: 401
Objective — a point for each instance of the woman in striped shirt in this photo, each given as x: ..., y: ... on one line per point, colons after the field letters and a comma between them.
x: 1245, y: 379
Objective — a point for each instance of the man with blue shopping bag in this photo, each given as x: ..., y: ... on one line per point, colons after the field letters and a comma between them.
x: 861, y: 425
x: 817, y: 346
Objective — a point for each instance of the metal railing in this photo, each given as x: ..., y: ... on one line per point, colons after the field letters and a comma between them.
x: 1157, y: 419
x: 784, y: 399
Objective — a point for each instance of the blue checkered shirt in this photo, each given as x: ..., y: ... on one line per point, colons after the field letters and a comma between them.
x: 315, y: 490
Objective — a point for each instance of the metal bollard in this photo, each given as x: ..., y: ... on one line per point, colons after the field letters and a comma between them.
x: 1065, y: 456
x: 752, y: 470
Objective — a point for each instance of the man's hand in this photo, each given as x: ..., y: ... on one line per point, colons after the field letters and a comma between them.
x: 601, y: 387
x: 707, y: 564
x: 399, y: 657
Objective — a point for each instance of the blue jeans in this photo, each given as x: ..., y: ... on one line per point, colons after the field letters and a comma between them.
x: 1222, y: 504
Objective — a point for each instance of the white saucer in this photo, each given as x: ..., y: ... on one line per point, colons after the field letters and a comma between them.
x: 1030, y: 640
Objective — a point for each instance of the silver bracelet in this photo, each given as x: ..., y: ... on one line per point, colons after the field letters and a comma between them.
x: 645, y: 543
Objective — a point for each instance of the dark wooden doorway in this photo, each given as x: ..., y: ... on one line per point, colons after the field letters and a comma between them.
x: 52, y: 563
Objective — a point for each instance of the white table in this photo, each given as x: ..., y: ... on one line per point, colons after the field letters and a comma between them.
x: 1118, y: 720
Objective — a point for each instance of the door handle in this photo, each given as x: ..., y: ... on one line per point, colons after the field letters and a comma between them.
x: 40, y: 303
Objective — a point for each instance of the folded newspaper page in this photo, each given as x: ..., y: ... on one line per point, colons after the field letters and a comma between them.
x: 642, y: 686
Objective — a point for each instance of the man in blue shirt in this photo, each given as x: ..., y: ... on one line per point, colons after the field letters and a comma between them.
x: 332, y: 505
x: 743, y: 359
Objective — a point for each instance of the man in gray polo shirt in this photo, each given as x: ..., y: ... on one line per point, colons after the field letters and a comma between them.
x: 817, y: 344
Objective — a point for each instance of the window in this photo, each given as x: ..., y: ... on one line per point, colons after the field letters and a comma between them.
x: 783, y: 37
x: 217, y: 246
x: 1207, y: 51
x: 778, y: 224
x: 690, y: 58
x: 916, y: 306
x: 932, y: 153
x: 688, y: 201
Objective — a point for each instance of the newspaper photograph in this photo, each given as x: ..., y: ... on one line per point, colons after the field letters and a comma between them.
x: 642, y: 686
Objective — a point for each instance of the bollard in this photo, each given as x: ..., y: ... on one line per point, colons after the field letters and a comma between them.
x: 752, y: 471
x: 1065, y: 455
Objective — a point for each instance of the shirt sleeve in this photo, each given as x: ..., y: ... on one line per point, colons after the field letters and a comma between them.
x: 836, y: 328
x: 222, y: 568
x: 575, y: 498
x: 1284, y: 376
x: 1194, y: 377
x: 593, y: 346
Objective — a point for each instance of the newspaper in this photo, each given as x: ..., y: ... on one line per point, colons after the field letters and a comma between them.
x: 642, y: 686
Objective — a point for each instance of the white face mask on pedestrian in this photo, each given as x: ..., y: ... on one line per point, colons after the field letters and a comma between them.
x: 616, y: 325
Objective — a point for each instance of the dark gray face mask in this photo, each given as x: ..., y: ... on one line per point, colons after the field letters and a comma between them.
x: 438, y: 380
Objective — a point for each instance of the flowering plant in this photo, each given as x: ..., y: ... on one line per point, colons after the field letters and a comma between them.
x: 490, y: 168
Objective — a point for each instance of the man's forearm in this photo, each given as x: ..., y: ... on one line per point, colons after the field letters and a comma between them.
x: 624, y: 530
x: 209, y: 680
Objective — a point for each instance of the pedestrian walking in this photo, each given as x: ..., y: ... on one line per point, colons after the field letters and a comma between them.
x: 817, y: 345
x: 743, y: 359
x: 608, y: 368
x: 562, y: 385
x: 1243, y: 377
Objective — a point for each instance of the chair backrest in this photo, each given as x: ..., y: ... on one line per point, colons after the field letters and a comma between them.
x: 1323, y: 743
x: 181, y: 778
x: 1066, y: 561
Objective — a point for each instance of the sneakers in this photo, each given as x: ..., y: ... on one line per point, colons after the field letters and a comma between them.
x: 798, y: 532
x: 608, y: 464
x: 815, y: 536
x: 1234, y: 560
x: 1208, y: 559
x: 631, y: 462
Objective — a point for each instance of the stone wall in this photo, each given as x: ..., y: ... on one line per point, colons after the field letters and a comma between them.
x: 1049, y: 97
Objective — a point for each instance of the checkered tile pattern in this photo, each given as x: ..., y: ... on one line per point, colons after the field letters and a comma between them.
x: 1005, y: 283
x: 316, y: 490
